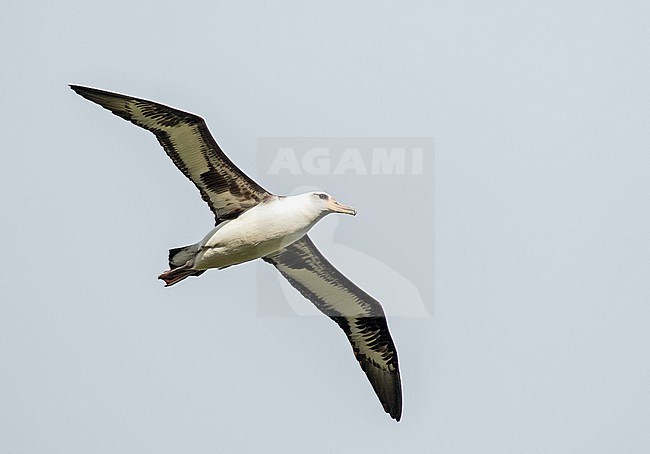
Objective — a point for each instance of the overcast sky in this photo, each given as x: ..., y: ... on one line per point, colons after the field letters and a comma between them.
x: 524, y: 249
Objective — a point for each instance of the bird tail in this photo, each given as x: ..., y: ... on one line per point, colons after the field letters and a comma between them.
x: 180, y: 264
x: 182, y: 255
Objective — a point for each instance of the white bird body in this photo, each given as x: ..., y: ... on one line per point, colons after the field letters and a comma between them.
x: 258, y: 232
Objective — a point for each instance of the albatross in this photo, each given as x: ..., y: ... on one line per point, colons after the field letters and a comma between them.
x: 252, y: 223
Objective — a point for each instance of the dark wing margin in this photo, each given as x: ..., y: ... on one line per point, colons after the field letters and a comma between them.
x: 188, y: 142
x: 359, y: 315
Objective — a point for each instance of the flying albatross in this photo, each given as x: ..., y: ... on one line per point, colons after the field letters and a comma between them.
x: 252, y: 223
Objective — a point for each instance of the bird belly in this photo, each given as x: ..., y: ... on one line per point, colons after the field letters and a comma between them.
x: 251, y: 236
x: 235, y: 253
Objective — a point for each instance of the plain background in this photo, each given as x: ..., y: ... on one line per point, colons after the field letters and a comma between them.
x: 538, y: 341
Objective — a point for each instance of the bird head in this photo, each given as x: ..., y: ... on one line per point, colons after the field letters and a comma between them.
x: 328, y: 204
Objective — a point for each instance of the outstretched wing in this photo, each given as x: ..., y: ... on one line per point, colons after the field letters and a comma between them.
x: 188, y: 142
x: 359, y: 315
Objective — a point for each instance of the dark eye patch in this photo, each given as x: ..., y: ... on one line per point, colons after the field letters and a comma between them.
x: 322, y: 196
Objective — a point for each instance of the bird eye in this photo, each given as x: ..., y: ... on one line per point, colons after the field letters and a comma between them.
x: 322, y: 196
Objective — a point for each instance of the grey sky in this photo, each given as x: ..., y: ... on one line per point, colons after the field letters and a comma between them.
x: 538, y: 337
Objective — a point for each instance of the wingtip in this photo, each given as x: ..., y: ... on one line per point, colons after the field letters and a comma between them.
x: 89, y: 91
x: 80, y: 90
x: 393, y: 399
x: 395, y: 412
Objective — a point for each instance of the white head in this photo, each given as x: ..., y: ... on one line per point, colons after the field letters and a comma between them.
x: 330, y: 205
x: 320, y: 203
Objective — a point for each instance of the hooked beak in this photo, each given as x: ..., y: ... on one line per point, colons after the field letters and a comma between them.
x: 336, y: 207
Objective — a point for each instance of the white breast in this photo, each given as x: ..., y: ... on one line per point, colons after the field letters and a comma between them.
x: 258, y: 232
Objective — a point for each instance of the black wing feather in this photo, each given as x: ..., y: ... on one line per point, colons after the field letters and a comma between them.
x: 188, y: 142
x: 359, y: 315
